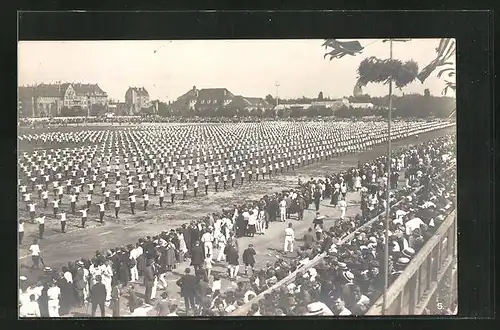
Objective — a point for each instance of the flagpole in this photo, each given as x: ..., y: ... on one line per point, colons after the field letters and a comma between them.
x: 387, y: 211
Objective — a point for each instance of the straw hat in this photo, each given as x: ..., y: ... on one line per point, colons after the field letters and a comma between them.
x: 342, y: 265
x: 403, y: 261
x: 348, y: 276
x: 315, y: 308
x: 408, y: 252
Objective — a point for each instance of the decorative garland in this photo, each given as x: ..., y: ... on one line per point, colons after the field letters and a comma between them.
x: 375, y: 70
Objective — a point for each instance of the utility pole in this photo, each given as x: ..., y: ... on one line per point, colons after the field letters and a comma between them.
x: 388, y: 207
x: 277, y: 99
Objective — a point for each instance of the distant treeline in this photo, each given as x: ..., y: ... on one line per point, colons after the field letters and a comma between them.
x: 409, y: 105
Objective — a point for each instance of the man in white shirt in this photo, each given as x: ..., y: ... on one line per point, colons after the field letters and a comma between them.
x: 30, y: 309
x: 53, y: 294
x: 84, y: 216
x: 162, y: 195
x: 146, y: 201
x: 343, y: 207
x: 63, y: 221
x: 35, y: 254
x: 20, y: 229
x: 41, y: 225
x: 289, y: 239
x: 134, y: 273
x: 102, y: 207
x: 207, y: 238
x: 283, y: 210
x: 413, y: 224
x: 132, y: 203
x: 340, y: 309
x: 55, y: 202
x: 117, y: 208
x: 195, y: 187
x: 31, y: 207
x: 72, y: 199
x: 45, y: 198
x: 172, y: 194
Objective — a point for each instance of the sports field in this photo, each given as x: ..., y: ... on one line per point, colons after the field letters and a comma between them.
x: 59, y: 248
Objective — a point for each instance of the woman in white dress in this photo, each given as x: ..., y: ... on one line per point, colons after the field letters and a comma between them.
x: 54, y: 293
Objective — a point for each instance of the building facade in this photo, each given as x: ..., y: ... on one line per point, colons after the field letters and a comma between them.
x: 213, y: 99
x: 136, y: 98
x: 46, y: 100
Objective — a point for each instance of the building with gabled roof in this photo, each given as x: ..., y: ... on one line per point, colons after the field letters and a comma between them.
x: 216, y: 98
x: 250, y: 103
x: 136, y: 98
x: 48, y: 99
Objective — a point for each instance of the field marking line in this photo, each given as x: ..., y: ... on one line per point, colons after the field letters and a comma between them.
x: 105, y: 233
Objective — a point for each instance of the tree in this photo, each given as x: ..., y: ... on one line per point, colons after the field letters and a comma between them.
x: 147, y: 111
x: 257, y: 113
x: 97, y: 109
x: 164, y: 110
x: 228, y: 111
x: 243, y: 112
x: 312, y: 112
x: 374, y: 70
x: 271, y: 100
x: 325, y: 112
x: 296, y: 112
x: 364, y: 98
x: 269, y: 113
x: 320, y: 96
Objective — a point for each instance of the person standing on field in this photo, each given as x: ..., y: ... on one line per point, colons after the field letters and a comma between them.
x: 172, y: 194
x: 98, y: 296
x: 41, y: 225
x: 63, y: 221
x: 283, y: 210
x: 21, y: 231
x: 162, y: 195
x: 102, y: 207
x: 289, y: 239
x: 35, y: 254
x: 84, y: 216
x: 117, y: 208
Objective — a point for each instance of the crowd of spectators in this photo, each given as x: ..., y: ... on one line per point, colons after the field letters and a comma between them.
x: 346, y: 282
x: 350, y: 278
x: 66, y: 121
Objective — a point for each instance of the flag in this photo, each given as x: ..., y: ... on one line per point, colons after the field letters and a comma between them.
x: 342, y: 48
x: 444, y: 51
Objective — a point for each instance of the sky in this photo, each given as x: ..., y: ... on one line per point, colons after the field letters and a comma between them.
x: 169, y: 68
